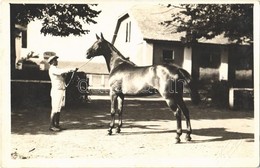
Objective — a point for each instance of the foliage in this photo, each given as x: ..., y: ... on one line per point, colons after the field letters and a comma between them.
x: 220, y: 93
x: 32, y: 55
x: 57, y: 19
x: 27, y: 61
x: 234, y: 21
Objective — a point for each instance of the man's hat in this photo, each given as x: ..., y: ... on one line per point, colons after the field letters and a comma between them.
x: 52, y: 58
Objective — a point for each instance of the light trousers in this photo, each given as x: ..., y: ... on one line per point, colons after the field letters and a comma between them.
x: 57, y: 100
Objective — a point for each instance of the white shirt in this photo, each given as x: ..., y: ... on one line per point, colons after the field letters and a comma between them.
x: 57, y: 81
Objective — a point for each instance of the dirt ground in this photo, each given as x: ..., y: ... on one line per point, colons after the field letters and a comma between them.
x: 220, y: 137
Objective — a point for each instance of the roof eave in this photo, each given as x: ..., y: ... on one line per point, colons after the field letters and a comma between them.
x: 120, y: 19
x: 166, y: 40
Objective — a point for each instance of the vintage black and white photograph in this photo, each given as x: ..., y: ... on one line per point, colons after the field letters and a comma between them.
x: 129, y: 84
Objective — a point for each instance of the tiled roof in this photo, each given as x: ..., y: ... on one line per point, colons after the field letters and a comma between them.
x: 149, y: 17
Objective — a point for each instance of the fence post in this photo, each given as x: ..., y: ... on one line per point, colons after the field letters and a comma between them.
x: 231, y: 98
x: 90, y: 78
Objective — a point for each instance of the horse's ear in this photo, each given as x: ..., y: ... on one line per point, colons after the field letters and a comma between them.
x: 97, y: 37
x: 102, y: 37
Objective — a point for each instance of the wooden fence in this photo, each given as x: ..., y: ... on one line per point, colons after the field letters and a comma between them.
x: 37, y: 91
x: 98, y: 81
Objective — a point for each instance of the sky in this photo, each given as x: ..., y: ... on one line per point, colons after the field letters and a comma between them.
x: 73, y: 48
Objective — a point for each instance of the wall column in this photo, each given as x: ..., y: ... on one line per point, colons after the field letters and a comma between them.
x: 223, y: 68
x: 187, y: 61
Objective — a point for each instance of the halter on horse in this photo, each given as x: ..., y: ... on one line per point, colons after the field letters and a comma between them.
x: 128, y: 79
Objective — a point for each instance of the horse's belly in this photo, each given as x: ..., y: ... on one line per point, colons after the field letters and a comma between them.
x: 137, y: 88
x: 145, y: 92
x: 132, y: 83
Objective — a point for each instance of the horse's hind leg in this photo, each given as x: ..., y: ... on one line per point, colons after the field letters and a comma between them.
x: 177, y: 114
x: 120, y: 112
x: 113, y: 98
x: 186, y: 113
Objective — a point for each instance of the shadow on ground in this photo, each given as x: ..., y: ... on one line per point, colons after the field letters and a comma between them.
x: 218, y: 134
x: 95, y: 115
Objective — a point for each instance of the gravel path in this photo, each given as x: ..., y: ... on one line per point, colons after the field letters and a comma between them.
x: 220, y: 137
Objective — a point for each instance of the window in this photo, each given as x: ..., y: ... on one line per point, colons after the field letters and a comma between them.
x: 243, y: 58
x: 168, y: 55
x: 128, y: 32
x: 210, y: 59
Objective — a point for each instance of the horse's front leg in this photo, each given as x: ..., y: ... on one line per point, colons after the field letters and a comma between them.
x: 120, y: 112
x: 113, y: 98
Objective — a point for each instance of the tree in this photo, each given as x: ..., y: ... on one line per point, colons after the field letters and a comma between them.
x: 57, y: 19
x: 234, y: 21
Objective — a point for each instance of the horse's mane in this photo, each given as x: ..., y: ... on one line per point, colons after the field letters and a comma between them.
x: 123, y: 58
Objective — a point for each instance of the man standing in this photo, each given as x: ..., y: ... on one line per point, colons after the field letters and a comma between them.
x: 57, y: 92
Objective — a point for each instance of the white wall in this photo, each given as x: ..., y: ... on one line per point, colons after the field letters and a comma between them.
x: 147, y: 57
x: 136, y: 47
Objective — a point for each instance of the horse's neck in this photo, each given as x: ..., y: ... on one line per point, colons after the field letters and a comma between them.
x: 114, y: 58
x: 107, y: 62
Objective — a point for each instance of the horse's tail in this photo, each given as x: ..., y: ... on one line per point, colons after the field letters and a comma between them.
x: 195, y: 97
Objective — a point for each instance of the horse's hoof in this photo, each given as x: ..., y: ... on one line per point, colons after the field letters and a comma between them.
x: 109, y: 132
x: 188, y: 138
x: 177, y: 140
x: 118, y: 130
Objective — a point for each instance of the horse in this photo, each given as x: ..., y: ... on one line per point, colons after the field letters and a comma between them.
x: 126, y: 78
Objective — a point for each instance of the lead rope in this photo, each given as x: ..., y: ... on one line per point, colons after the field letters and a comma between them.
x: 72, y: 75
x: 86, y: 63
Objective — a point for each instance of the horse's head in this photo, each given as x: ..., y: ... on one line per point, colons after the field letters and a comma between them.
x: 98, y: 48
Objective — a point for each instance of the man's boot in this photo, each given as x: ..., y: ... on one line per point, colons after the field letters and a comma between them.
x: 57, y: 120
x: 52, y: 123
